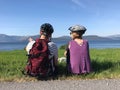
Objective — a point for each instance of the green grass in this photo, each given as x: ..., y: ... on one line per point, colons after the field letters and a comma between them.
x: 105, y: 64
x: 11, y: 64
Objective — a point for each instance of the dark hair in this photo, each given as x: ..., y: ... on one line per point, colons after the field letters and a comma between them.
x: 47, y: 28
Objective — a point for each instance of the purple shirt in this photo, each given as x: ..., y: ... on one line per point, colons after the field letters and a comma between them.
x: 79, y: 57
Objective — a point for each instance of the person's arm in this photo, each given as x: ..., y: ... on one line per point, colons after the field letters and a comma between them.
x: 66, y: 49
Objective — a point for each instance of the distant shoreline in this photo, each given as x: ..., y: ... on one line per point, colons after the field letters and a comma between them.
x: 7, y: 46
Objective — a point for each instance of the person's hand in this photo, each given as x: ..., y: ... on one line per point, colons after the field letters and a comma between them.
x: 30, y: 39
x: 65, y: 53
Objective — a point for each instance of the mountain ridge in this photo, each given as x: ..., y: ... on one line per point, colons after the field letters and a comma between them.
x: 14, y: 38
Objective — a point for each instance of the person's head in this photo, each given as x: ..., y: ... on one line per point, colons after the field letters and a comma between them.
x: 46, y: 29
x: 77, y: 31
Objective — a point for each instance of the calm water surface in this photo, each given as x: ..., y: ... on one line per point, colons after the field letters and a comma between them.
x: 92, y: 44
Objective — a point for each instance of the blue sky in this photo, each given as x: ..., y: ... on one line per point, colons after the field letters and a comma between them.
x: 24, y: 17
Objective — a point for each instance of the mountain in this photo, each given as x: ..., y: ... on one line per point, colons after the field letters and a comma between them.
x: 7, y: 38
x: 62, y: 38
x: 115, y: 37
x: 96, y: 38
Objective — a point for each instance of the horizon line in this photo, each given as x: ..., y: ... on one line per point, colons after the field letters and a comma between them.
x: 64, y: 35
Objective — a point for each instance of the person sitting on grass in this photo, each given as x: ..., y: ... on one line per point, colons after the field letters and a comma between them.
x: 40, y: 54
x: 53, y: 49
x: 77, y: 53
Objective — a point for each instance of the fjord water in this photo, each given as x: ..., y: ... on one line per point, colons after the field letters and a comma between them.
x: 92, y: 44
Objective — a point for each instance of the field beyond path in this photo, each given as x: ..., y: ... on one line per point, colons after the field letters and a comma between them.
x: 105, y: 64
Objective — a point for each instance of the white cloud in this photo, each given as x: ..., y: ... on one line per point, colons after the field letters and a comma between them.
x: 79, y: 3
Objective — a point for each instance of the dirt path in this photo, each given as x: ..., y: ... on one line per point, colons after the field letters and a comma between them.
x: 109, y: 84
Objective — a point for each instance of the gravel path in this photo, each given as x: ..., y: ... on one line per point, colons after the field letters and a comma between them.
x: 109, y: 84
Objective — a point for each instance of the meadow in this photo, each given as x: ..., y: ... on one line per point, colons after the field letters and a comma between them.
x: 105, y: 64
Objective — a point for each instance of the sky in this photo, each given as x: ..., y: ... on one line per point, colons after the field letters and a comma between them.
x: 24, y: 17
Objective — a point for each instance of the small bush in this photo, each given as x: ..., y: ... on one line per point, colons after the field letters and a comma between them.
x: 63, y: 47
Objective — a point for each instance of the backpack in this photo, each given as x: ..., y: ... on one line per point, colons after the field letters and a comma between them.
x: 38, y: 60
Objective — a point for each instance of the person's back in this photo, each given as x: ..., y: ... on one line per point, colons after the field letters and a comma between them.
x: 38, y: 58
x: 53, y: 54
x: 79, y: 57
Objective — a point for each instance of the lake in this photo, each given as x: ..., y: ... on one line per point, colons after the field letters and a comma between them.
x: 92, y: 44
